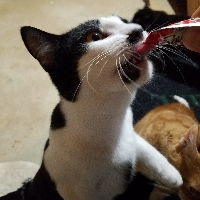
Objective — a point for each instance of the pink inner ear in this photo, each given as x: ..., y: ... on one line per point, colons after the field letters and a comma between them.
x: 189, y: 143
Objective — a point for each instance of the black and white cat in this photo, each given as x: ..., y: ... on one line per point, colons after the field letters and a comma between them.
x: 92, y: 146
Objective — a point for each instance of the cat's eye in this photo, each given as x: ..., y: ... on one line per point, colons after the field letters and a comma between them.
x: 94, y: 36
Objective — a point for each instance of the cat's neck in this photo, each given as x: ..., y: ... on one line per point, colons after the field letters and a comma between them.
x: 99, y: 116
x: 97, y: 110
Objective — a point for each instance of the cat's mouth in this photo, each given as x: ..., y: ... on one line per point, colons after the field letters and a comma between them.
x: 131, y: 69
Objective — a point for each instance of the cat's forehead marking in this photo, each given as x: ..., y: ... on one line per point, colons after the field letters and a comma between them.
x: 114, y: 25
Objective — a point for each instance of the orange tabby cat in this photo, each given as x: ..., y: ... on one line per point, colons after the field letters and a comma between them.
x: 174, y: 130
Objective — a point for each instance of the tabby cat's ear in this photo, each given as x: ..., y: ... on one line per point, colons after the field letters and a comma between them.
x: 41, y: 45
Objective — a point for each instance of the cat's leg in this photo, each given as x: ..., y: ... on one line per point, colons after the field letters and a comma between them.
x: 154, y: 165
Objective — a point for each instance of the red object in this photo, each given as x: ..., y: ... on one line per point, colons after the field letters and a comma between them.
x: 153, y: 39
x: 171, y: 34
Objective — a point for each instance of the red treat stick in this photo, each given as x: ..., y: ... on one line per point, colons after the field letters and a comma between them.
x: 171, y: 34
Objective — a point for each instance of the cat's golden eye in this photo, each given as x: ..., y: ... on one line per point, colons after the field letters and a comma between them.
x: 94, y: 36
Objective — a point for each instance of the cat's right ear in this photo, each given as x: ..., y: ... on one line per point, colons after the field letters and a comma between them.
x: 42, y: 45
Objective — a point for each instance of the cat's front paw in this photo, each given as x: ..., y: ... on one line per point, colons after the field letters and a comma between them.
x: 171, y: 177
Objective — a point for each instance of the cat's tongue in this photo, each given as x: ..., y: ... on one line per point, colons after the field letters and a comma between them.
x: 171, y: 34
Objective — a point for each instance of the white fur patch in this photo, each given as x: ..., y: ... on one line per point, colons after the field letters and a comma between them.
x: 114, y: 26
x: 181, y: 101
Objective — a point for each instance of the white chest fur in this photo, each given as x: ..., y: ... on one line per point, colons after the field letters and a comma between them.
x: 89, y: 159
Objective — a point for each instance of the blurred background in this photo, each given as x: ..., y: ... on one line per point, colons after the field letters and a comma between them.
x: 27, y: 95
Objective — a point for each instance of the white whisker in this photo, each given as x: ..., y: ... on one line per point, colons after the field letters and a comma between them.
x: 103, y: 67
x: 122, y: 78
x: 96, y: 57
x: 89, y: 69
x: 121, y: 69
x: 177, y: 52
x: 131, y: 63
x: 175, y: 65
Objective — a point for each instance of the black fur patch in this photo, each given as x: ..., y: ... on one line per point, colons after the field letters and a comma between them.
x: 128, y: 172
x: 131, y: 73
x: 57, y: 119
x: 40, y: 188
x: 72, y: 46
x: 176, y: 63
x: 46, y: 145
x: 124, y: 20
x: 59, y: 54
x: 150, y: 19
x: 140, y: 188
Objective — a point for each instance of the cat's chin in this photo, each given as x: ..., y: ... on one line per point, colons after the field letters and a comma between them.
x: 133, y: 69
x: 136, y: 73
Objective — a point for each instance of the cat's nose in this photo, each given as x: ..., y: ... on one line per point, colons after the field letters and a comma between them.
x: 135, y: 36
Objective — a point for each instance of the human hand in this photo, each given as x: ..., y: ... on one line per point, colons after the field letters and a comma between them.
x: 191, y: 37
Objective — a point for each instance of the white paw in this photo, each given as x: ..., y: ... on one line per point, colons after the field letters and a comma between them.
x: 170, y: 177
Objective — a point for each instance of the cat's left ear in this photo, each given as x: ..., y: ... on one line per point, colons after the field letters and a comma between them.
x: 42, y: 45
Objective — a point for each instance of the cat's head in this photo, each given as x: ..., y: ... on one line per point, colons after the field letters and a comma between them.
x: 189, y: 150
x: 98, y: 55
x: 151, y: 19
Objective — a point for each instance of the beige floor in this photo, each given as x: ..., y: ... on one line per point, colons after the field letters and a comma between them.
x: 27, y: 96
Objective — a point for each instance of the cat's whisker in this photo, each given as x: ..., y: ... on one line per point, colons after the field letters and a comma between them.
x: 162, y: 58
x: 153, y: 53
x: 150, y: 25
x: 74, y: 95
x: 126, y: 48
x: 177, y: 52
x: 93, y: 60
x: 92, y: 66
x: 123, y: 72
x: 175, y: 65
x: 134, y: 54
x: 121, y: 79
x: 119, y: 67
x: 102, y: 68
x: 96, y: 58
x: 161, y: 25
x: 131, y: 63
x: 86, y: 75
x: 89, y: 84
x: 183, y: 54
x: 105, y: 56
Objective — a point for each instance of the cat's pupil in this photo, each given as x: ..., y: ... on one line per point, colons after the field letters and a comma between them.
x: 96, y: 36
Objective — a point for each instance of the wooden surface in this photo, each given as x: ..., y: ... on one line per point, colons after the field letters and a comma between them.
x: 192, y: 5
x: 179, y: 6
x: 184, y: 7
